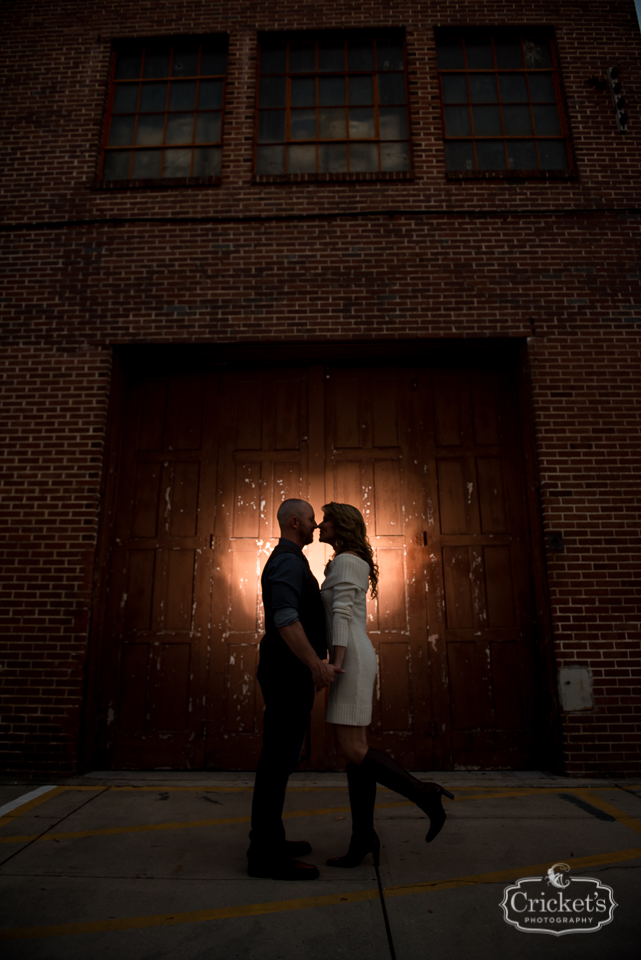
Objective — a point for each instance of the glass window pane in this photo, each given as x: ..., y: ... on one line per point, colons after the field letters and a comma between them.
x: 273, y: 59
x: 454, y: 88
x: 271, y: 126
x: 393, y: 123
x: 332, y: 124
x: 395, y: 156
x: 116, y: 166
x: 303, y: 92
x: 180, y: 128
x: 128, y: 66
x: 546, y: 121
x: 360, y: 55
x: 185, y: 63
x: 331, y: 57
x: 302, y: 58
x: 522, y: 155
x: 361, y: 90
x: 537, y: 54
x: 332, y: 158
x: 153, y: 97
x: 182, y: 96
x: 208, y: 126
x: 270, y: 160
x: 457, y: 122
x: 483, y: 88
x: 207, y: 162
x: 301, y: 159
x: 361, y: 123
x: 150, y: 129
x: 363, y: 157
x: 146, y: 165
x: 542, y: 87
x: 487, y: 121
x: 512, y: 87
x: 479, y: 55
x: 125, y: 98
x: 331, y: 91
x: 273, y: 92
x: 553, y: 155
x: 389, y: 55
x: 391, y: 88
x: 210, y: 96
x: 213, y: 60
x: 508, y: 54
x: 459, y: 155
x: 302, y: 125
x: 156, y: 63
x: 176, y: 163
x: 490, y: 155
x: 450, y: 54
x: 517, y: 121
x: 121, y: 131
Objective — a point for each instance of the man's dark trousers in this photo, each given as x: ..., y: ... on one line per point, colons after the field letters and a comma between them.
x: 289, y: 697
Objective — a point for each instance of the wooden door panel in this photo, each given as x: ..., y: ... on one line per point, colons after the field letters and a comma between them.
x: 263, y: 460
x: 154, y: 666
x: 491, y: 494
x: 479, y: 604
x: 371, y: 463
x: 395, y: 686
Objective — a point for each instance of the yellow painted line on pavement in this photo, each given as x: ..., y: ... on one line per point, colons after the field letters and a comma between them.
x: 624, y: 818
x: 308, y: 903
x: 295, y: 814
x: 32, y: 804
x: 180, y: 825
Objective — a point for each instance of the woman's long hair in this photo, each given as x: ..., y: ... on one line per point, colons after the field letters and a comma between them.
x: 351, y: 534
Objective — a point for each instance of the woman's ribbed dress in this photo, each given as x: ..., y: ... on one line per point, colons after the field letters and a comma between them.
x: 344, y: 592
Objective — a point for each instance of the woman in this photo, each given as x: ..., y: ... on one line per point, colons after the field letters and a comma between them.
x: 347, y: 579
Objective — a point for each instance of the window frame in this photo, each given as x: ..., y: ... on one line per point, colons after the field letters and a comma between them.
x: 316, y: 37
x: 143, y: 45
x: 493, y: 34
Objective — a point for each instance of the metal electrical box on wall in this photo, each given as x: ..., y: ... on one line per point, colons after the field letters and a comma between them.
x: 575, y: 688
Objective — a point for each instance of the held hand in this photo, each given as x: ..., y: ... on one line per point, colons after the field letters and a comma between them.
x: 322, y: 675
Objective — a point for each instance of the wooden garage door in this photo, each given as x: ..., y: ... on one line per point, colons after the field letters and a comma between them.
x: 433, y: 461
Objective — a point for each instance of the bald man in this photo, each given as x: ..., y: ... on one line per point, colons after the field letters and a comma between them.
x: 290, y: 670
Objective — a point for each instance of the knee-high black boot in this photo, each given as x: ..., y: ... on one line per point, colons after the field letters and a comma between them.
x: 385, y: 770
x: 362, y: 797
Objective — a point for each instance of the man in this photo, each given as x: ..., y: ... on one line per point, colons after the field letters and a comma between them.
x: 290, y: 670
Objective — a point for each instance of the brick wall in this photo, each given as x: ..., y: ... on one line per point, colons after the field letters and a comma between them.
x: 85, y: 269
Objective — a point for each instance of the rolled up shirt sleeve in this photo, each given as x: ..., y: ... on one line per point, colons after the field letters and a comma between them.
x: 286, y: 575
x: 285, y: 616
x: 342, y: 610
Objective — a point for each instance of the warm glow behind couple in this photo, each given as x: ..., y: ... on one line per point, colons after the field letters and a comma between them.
x: 301, y: 622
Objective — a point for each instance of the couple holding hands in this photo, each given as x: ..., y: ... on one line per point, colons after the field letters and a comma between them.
x: 301, y: 622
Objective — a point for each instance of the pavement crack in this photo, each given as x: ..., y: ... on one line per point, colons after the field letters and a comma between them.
x: 52, y: 826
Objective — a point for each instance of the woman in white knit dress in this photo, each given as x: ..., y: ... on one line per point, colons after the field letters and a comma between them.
x: 347, y: 579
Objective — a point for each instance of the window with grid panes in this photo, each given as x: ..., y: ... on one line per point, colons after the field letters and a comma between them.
x: 332, y: 105
x: 501, y: 101
x: 165, y: 114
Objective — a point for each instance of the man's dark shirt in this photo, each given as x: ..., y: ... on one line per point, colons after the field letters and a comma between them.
x: 290, y: 593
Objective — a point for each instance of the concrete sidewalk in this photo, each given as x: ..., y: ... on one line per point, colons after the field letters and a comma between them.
x: 141, y: 866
